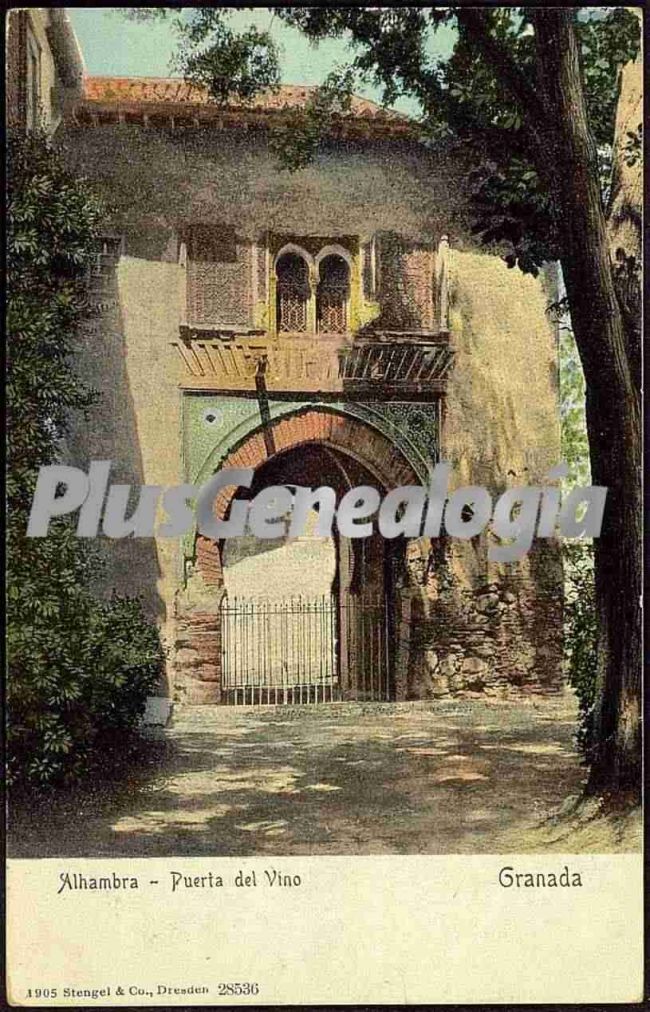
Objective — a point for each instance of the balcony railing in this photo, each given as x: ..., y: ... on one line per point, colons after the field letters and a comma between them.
x: 389, y: 362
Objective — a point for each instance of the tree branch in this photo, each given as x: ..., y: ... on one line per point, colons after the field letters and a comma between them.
x: 474, y: 22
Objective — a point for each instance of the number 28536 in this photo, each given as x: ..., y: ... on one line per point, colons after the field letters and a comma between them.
x: 226, y: 989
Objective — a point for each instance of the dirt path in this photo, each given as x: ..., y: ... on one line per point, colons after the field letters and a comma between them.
x: 462, y: 777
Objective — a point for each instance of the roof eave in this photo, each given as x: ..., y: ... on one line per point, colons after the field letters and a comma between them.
x: 93, y: 112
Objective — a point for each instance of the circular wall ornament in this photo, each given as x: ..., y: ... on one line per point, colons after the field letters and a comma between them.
x: 211, y: 416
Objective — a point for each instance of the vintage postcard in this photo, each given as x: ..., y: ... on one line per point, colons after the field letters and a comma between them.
x: 324, y: 505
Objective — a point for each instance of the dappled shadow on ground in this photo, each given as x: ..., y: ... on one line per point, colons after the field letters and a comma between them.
x: 462, y: 777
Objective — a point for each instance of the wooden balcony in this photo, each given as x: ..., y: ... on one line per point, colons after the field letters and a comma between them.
x: 384, y: 364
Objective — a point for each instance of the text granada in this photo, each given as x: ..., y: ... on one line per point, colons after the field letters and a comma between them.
x: 566, y: 879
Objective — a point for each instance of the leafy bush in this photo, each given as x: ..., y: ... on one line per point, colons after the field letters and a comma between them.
x: 79, y: 674
x: 580, y: 624
x: 125, y: 656
x: 79, y: 669
x: 581, y: 633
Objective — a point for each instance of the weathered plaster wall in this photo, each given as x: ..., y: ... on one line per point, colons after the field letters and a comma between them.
x: 502, y: 410
x: 48, y: 78
x: 136, y: 422
x: 203, y: 175
x: 480, y: 625
x: 27, y: 28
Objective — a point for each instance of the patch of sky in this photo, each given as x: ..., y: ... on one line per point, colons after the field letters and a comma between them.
x: 116, y: 46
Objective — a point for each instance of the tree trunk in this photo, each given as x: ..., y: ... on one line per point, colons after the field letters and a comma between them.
x: 613, y: 406
x: 625, y: 211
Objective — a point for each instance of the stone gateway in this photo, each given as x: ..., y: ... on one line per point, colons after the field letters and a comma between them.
x: 334, y: 326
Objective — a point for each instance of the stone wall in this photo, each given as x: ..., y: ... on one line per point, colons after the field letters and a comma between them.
x: 494, y: 633
x: 197, y: 657
x: 485, y: 625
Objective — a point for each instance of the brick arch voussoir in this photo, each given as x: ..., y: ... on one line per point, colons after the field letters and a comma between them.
x: 347, y: 434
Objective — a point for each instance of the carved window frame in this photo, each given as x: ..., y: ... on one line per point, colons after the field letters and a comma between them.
x: 327, y: 252
x: 291, y: 248
x: 313, y: 273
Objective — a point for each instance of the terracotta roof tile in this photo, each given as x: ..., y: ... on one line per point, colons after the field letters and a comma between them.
x: 121, y: 91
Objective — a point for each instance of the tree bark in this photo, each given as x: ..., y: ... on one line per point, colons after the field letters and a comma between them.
x: 612, y: 403
x: 625, y: 210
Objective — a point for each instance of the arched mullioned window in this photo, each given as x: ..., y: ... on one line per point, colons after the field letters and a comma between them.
x: 332, y: 295
x: 293, y: 294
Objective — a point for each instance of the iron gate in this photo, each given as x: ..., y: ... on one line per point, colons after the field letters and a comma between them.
x: 303, y: 650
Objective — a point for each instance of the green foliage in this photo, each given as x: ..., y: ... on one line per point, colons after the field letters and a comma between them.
x: 575, y: 445
x: 211, y: 54
x: 513, y: 208
x: 608, y: 40
x: 296, y: 141
x: 78, y: 669
x: 52, y: 225
x: 226, y: 62
x: 512, y: 203
x: 580, y: 617
x: 581, y: 633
